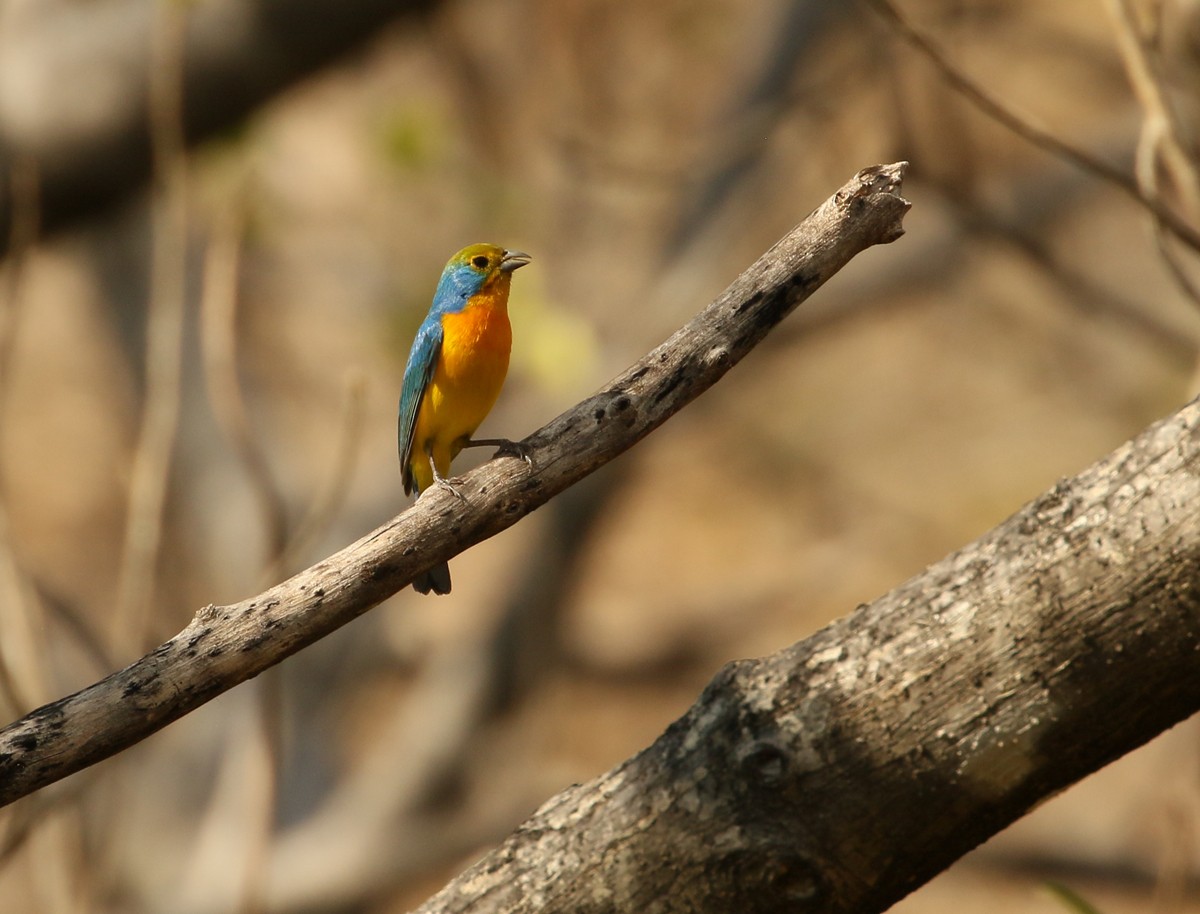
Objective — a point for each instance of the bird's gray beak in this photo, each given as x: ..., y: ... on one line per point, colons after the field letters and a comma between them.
x: 513, y: 260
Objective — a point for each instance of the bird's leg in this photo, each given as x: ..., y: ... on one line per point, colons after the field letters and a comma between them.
x: 504, y: 445
x: 442, y: 482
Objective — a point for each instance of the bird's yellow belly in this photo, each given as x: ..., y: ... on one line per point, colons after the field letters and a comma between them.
x: 465, y: 385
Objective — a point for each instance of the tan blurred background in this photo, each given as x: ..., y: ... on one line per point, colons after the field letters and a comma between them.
x: 644, y: 154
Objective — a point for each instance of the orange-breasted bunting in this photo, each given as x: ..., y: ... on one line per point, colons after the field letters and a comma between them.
x: 455, y: 370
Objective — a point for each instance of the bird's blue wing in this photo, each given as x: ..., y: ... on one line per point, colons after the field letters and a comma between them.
x: 421, y: 361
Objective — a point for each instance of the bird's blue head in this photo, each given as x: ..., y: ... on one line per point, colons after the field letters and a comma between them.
x: 474, y: 269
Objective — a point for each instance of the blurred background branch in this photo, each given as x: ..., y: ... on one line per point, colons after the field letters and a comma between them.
x: 154, y: 451
x: 1039, y: 136
x: 22, y: 619
x: 91, y: 141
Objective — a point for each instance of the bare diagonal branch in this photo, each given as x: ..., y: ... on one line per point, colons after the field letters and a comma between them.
x: 226, y: 645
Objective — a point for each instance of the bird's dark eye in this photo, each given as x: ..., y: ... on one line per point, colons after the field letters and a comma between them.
x: 480, y: 261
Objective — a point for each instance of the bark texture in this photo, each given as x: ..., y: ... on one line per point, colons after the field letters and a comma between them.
x: 841, y: 773
x: 226, y: 645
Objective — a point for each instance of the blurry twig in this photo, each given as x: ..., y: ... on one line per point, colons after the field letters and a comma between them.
x: 22, y: 818
x: 218, y: 329
x: 22, y: 235
x: 480, y: 96
x: 22, y: 629
x: 1160, y: 144
x: 256, y: 755
x: 226, y: 859
x: 26, y: 604
x: 219, y: 343
x: 381, y: 811
x: 1175, y: 873
x: 932, y: 257
x: 332, y: 494
x: 1162, y: 131
x: 1174, y: 265
x: 409, y: 778
x: 1022, y: 126
x: 164, y: 333
x: 1082, y: 291
x: 259, y: 753
x: 24, y: 681
x: 527, y: 641
x: 1071, y: 900
x: 62, y: 876
x: 754, y: 115
x: 219, y: 304
x: 17, y: 823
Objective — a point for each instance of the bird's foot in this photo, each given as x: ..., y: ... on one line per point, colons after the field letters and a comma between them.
x: 506, y: 447
x: 450, y: 485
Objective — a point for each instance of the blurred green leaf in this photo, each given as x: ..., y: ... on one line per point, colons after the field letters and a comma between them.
x: 1071, y: 899
x: 554, y: 347
x: 411, y: 137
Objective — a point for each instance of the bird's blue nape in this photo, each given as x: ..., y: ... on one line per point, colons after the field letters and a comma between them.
x: 458, y: 283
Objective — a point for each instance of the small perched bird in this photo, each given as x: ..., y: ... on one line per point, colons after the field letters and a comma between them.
x: 455, y: 370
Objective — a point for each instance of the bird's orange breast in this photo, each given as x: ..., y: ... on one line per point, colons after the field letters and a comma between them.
x: 475, y: 344
x: 466, y: 381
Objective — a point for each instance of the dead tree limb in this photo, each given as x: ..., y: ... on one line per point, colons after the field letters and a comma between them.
x: 226, y: 645
x: 843, y: 772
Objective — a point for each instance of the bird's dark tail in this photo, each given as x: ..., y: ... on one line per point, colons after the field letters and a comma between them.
x: 436, y: 579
